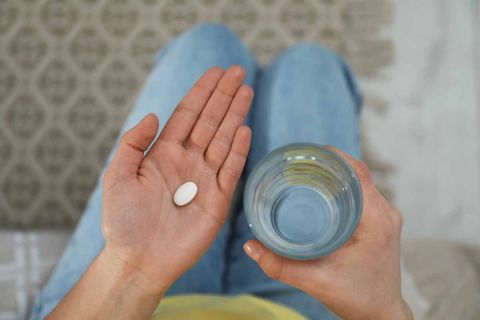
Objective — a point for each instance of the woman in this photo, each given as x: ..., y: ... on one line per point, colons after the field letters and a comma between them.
x: 134, y: 247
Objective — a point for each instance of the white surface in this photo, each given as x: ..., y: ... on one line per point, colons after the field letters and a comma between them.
x: 26, y: 260
x: 431, y: 129
x: 418, y: 303
x: 185, y: 193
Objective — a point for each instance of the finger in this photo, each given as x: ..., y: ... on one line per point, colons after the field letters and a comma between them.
x: 375, y: 206
x: 232, y: 168
x: 185, y: 115
x: 132, y: 146
x: 360, y: 168
x: 215, y: 109
x: 275, y: 266
x: 219, y: 147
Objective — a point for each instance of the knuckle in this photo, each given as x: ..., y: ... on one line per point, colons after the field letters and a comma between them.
x: 184, y: 111
x: 386, y: 238
x: 362, y: 168
x: 124, y: 138
x: 388, y: 235
x: 194, y: 142
x: 222, y: 141
x: 362, y: 171
x: 203, y: 89
x: 213, y: 160
x: 271, y: 268
x: 209, y: 120
x: 272, y: 273
x: 237, y: 156
x: 223, y: 92
x: 234, y: 174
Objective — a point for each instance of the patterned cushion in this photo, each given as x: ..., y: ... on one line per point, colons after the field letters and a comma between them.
x: 70, y: 72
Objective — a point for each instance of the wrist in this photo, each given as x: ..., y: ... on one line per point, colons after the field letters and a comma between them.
x: 109, y: 289
x: 130, y: 276
x: 128, y: 287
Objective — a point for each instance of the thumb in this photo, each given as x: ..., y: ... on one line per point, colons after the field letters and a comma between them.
x: 132, y: 146
x: 275, y: 266
x: 310, y: 276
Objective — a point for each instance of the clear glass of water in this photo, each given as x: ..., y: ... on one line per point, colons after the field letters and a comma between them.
x: 303, y: 201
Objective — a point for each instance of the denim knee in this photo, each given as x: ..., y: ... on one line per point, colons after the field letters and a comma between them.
x: 306, y: 51
x: 313, y: 56
x: 211, y: 30
x: 205, y: 36
x: 211, y: 44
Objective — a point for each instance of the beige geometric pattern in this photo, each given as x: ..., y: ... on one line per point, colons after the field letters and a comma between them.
x: 71, y: 70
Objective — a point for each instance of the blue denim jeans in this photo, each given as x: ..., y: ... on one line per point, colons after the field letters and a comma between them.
x: 306, y: 94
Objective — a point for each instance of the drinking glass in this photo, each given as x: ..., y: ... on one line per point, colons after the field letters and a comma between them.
x: 303, y: 201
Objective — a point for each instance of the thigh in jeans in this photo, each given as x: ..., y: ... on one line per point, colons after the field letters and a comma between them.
x: 177, y: 66
x: 307, y: 94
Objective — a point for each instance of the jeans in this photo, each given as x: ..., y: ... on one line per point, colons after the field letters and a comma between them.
x: 306, y: 94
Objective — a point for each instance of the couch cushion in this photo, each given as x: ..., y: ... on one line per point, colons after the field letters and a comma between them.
x: 70, y: 72
x: 447, y: 274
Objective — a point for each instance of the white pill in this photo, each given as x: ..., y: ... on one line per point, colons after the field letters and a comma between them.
x: 185, y: 193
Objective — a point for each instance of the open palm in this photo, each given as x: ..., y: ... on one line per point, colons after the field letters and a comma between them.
x: 204, y: 141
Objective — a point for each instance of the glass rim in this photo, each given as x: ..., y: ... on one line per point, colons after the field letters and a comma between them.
x: 302, y: 251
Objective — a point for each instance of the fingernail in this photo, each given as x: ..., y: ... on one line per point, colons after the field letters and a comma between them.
x: 246, y: 90
x: 238, y: 71
x: 149, y: 115
x: 252, y: 251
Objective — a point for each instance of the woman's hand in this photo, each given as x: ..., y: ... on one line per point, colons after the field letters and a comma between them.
x: 149, y: 241
x: 361, y: 280
x: 204, y: 141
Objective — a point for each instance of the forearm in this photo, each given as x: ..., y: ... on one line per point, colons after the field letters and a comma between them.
x: 397, y: 311
x: 109, y: 289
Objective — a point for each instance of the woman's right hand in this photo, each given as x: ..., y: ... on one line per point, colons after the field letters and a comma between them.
x: 361, y: 280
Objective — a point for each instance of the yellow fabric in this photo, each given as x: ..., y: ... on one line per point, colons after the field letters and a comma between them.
x: 213, y: 307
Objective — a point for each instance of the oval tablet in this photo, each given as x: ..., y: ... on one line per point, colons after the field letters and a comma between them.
x: 185, y: 193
